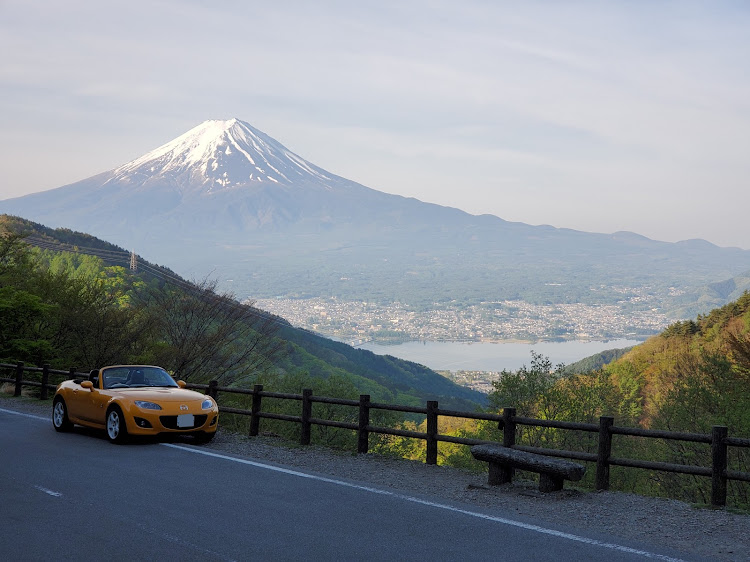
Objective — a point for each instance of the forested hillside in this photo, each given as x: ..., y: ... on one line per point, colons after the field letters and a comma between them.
x: 68, y: 308
x: 696, y: 373
x: 597, y: 361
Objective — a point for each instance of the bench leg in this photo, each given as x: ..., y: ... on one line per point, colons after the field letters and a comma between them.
x: 550, y: 483
x: 499, y: 474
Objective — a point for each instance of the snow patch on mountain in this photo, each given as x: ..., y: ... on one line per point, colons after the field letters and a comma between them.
x: 220, y: 155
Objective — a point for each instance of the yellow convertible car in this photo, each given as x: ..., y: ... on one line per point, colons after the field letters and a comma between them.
x: 134, y: 400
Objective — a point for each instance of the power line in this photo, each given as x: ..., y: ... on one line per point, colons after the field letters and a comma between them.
x: 109, y: 255
x: 45, y: 241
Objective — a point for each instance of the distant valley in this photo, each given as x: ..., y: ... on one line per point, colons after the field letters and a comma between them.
x: 227, y: 200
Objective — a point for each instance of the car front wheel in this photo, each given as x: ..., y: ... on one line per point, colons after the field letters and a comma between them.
x: 117, y: 431
x: 60, y: 415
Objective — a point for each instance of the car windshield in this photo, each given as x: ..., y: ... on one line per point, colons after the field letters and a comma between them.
x: 136, y: 376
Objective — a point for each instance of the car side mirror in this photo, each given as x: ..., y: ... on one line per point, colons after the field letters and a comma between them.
x: 88, y: 384
x: 181, y: 384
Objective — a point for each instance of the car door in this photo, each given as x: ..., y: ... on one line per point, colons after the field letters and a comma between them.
x: 77, y: 401
x: 93, y: 403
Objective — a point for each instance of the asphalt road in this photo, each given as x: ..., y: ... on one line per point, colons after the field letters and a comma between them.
x: 77, y: 497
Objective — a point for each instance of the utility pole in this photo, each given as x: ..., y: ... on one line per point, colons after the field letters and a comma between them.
x: 133, y: 261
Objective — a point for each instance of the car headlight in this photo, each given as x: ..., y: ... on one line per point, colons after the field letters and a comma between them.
x: 147, y: 405
x: 207, y: 404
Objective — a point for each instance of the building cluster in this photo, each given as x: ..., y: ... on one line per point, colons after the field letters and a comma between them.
x: 359, y: 321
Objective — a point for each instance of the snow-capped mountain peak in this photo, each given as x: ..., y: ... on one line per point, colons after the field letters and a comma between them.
x: 218, y: 155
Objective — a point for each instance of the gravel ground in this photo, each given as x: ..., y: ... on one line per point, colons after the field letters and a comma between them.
x: 702, y: 533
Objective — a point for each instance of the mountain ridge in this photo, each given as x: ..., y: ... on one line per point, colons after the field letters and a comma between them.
x: 198, y: 203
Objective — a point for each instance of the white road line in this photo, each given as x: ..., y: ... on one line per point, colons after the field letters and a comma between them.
x: 50, y: 492
x: 502, y: 520
x: 26, y: 415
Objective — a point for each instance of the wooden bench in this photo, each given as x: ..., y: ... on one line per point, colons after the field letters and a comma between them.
x: 503, y: 460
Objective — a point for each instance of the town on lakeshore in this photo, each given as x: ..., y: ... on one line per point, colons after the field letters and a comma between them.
x: 357, y: 322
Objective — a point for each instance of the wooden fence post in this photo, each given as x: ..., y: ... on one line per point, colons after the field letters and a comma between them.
x: 363, y: 435
x: 255, y: 410
x: 45, y: 381
x: 432, y: 432
x: 509, y: 427
x: 503, y: 473
x: 306, y: 415
x: 19, y: 378
x: 604, y: 452
x: 212, y: 389
x: 718, y: 465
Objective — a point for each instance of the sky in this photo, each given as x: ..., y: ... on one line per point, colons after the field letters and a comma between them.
x: 598, y: 116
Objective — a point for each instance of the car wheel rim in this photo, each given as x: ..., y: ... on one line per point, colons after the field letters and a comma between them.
x: 58, y: 414
x: 113, y: 425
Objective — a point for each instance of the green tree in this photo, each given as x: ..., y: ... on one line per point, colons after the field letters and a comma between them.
x: 709, y: 391
x: 15, y: 258
x: 23, y: 331
x: 527, y: 388
x: 22, y: 321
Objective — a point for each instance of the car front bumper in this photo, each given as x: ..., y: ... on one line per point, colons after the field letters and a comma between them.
x: 145, y: 422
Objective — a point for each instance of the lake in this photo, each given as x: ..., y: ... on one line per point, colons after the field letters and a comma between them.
x: 476, y: 356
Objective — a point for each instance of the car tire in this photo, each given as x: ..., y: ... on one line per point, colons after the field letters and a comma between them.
x: 203, y: 438
x: 117, y: 431
x: 60, y: 419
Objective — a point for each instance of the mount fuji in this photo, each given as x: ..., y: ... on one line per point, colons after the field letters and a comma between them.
x: 222, y: 174
x: 229, y: 199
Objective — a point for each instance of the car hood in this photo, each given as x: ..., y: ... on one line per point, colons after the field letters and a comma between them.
x: 161, y: 394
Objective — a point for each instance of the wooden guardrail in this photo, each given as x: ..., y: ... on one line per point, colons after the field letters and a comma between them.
x: 508, y: 422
